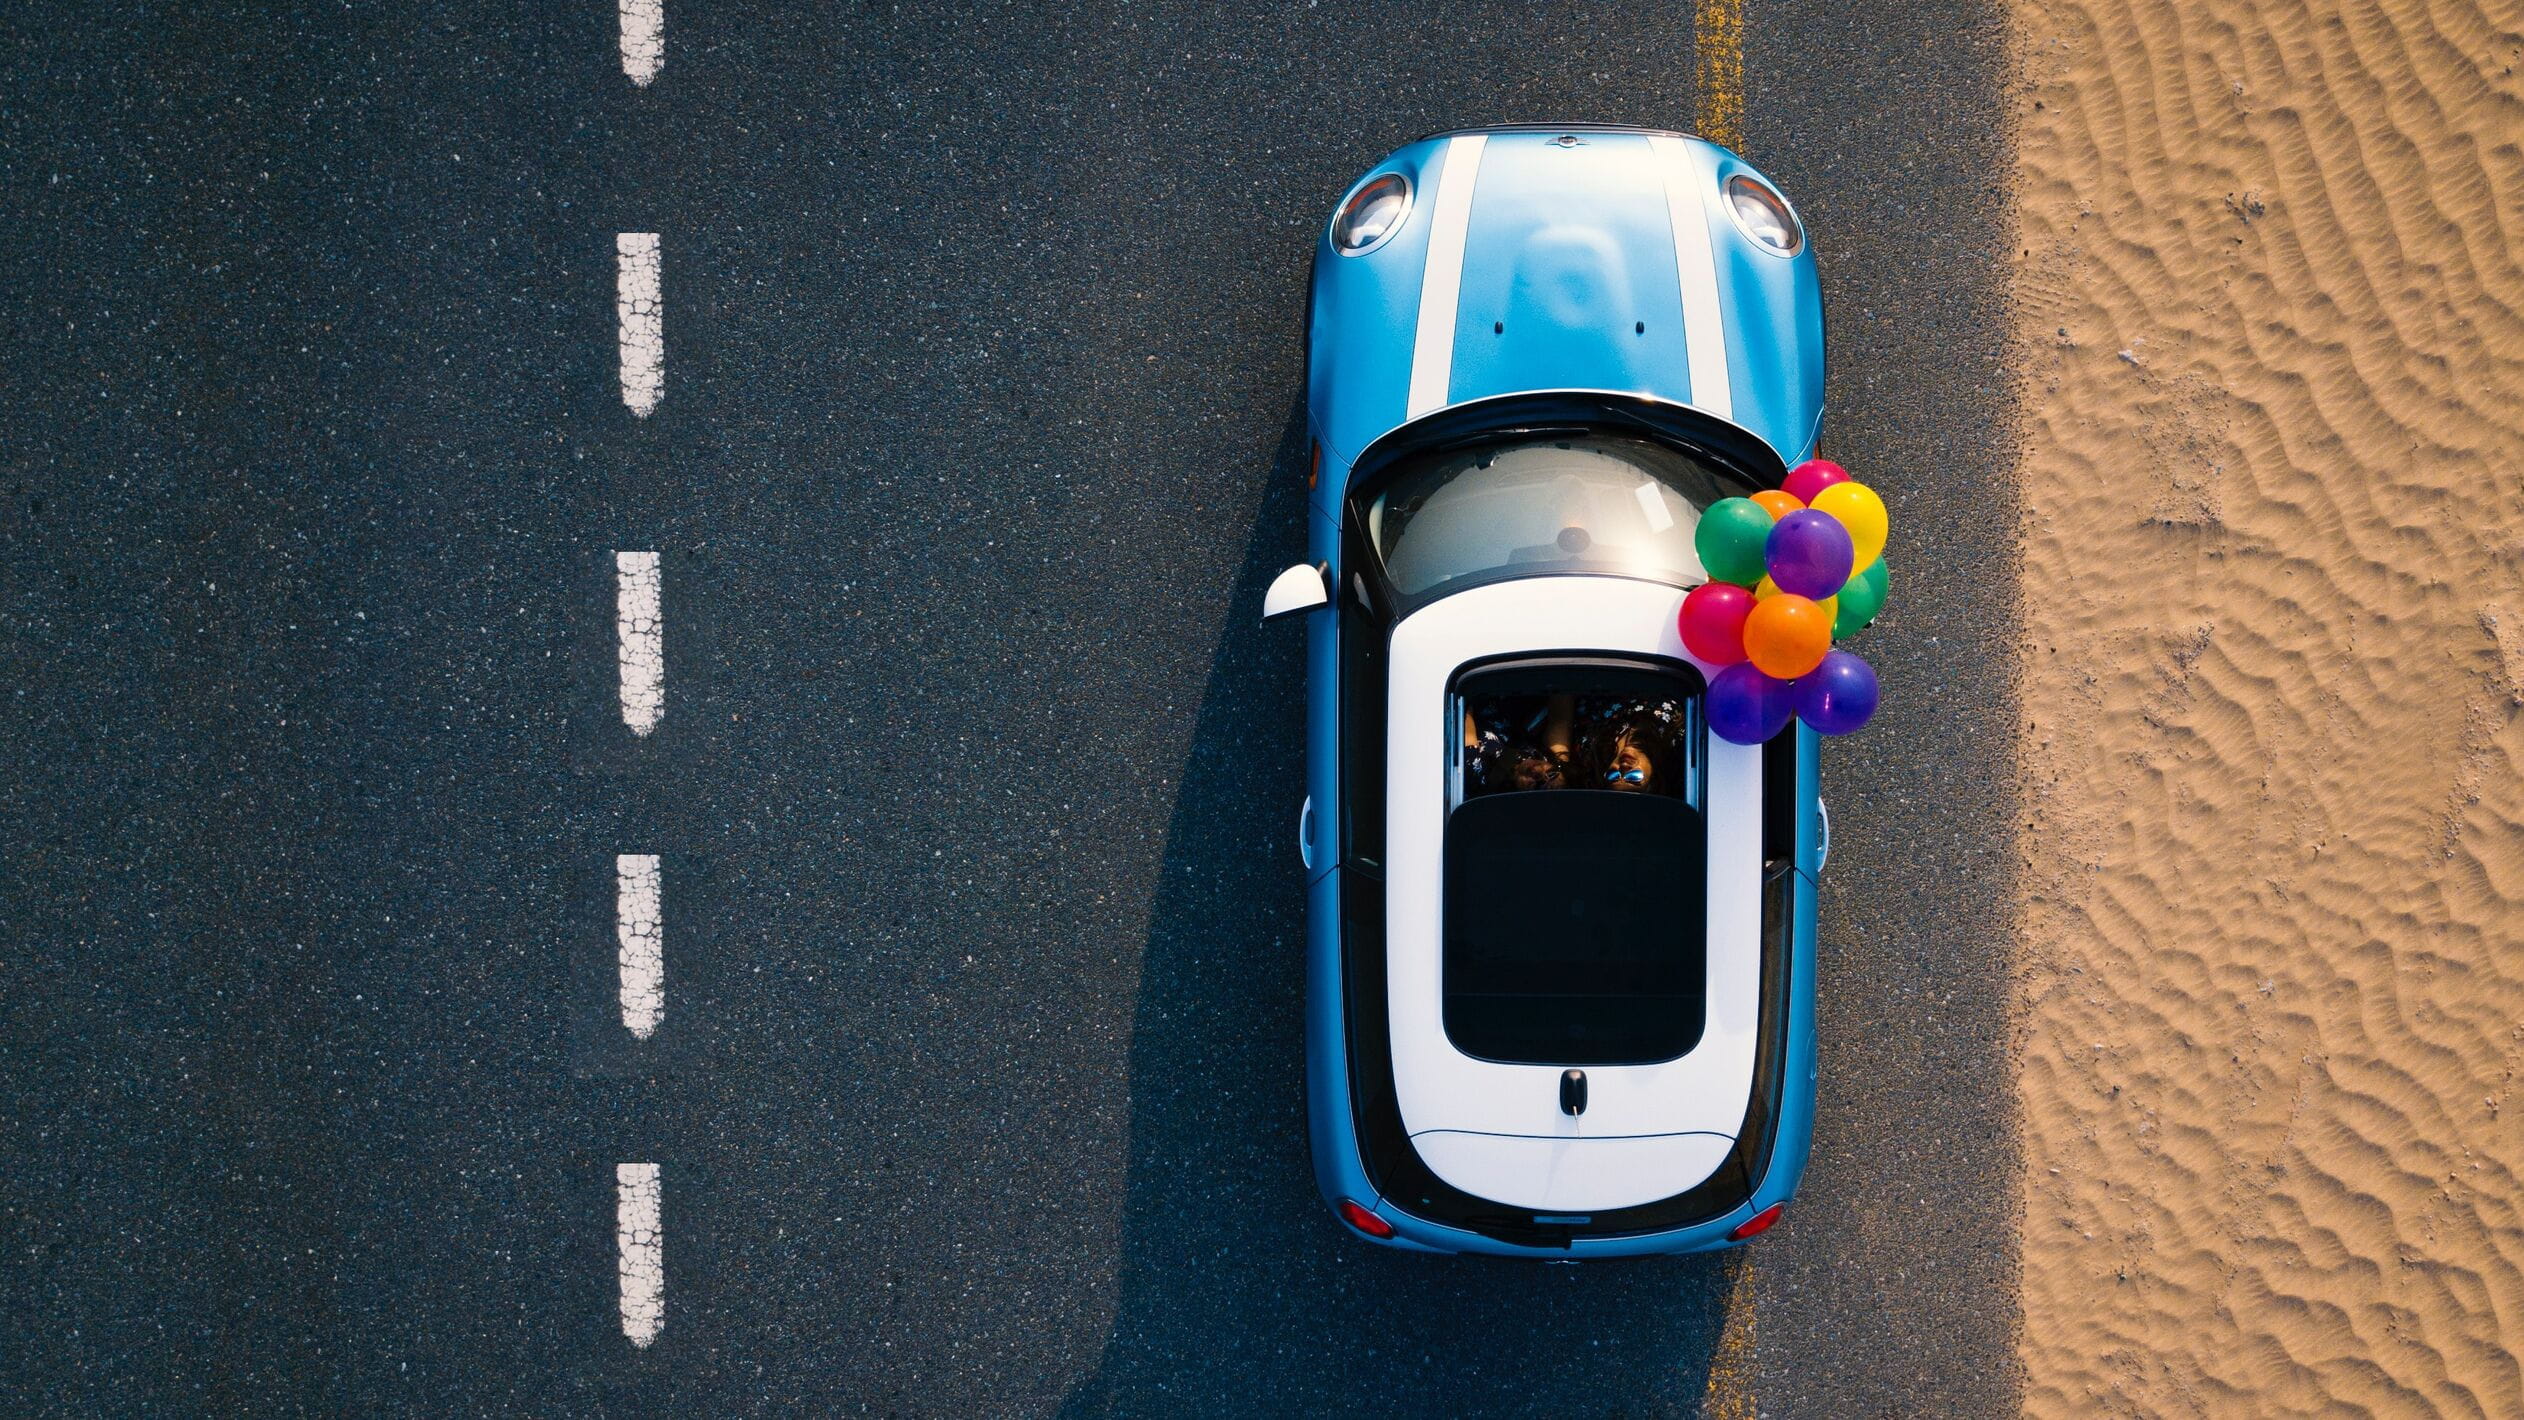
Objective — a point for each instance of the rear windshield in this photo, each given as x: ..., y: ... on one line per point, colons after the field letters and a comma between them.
x: 1575, y: 929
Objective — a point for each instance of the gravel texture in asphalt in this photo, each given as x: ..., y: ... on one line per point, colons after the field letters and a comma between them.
x: 978, y: 1089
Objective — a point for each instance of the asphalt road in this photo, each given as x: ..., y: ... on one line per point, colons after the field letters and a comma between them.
x: 979, y: 1090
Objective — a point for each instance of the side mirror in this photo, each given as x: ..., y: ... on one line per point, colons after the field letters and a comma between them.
x: 1299, y: 589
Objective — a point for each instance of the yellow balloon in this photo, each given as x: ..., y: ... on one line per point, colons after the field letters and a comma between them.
x: 1862, y: 512
x: 1769, y: 589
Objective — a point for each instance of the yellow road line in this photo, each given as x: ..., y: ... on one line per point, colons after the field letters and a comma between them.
x: 1729, y: 1392
x: 1718, y: 31
x: 1718, y: 34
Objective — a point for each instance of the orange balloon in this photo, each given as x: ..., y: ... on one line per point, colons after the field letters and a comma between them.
x: 1777, y: 502
x: 1768, y: 589
x: 1787, y: 635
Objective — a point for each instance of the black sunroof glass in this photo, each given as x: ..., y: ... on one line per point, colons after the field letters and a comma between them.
x: 1575, y: 928
x: 1575, y: 923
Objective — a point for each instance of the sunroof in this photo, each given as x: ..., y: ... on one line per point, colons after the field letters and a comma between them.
x: 1575, y: 929
x: 1575, y: 867
x: 1617, y: 724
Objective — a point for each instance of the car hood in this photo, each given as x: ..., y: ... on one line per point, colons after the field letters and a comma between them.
x: 1564, y: 259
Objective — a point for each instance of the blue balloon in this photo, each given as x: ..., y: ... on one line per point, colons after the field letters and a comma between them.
x: 1837, y: 696
x: 1747, y: 707
x: 1809, y: 554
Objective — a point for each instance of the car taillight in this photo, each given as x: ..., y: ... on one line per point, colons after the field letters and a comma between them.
x: 1357, y: 1216
x: 1757, y: 1224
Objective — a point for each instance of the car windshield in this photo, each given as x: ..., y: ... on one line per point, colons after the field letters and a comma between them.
x: 1568, y: 503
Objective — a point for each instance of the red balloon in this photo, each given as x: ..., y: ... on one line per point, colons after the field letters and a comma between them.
x: 1713, y: 622
x: 1812, y: 477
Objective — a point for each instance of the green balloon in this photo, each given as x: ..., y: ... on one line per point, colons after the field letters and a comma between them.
x: 1730, y: 540
x: 1861, y: 599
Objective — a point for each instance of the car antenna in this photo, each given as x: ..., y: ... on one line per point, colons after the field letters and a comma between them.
x: 1573, y: 1092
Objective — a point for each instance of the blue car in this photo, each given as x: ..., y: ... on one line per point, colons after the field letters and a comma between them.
x: 1560, y: 961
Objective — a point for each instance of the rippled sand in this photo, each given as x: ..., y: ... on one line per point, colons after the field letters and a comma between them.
x: 2272, y: 333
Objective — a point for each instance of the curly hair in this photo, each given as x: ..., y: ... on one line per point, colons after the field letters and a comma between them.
x: 1596, y: 756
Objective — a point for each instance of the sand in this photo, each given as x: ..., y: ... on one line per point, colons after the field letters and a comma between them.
x: 2270, y: 323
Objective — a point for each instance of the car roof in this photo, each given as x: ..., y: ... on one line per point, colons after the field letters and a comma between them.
x: 1440, y: 1089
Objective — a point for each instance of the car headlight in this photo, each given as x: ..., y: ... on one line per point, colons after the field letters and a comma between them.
x: 1764, y: 216
x: 1372, y: 214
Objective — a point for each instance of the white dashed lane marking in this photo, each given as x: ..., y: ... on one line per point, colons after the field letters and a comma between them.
x: 639, y: 927
x: 639, y: 278
x: 641, y: 628
x: 643, y: 39
x: 640, y: 934
x: 638, y: 1194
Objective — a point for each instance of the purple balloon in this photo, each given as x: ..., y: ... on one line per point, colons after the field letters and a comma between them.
x: 1835, y: 697
x: 1809, y: 554
x: 1747, y: 707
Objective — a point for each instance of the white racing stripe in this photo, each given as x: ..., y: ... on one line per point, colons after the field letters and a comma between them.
x: 1441, y: 282
x: 643, y: 39
x: 1690, y: 176
x: 638, y: 279
x: 640, y: 939
x: 640, y: 628
x: 641, y: 1241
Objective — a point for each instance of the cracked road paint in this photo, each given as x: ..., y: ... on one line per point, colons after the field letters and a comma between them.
x: 642, y: 1242
x: 643, y: 39
x: 640, y: 934
x: 640, y: 309
x: 640, y: 628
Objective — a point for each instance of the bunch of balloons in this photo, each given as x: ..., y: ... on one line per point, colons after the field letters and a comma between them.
x: 1790, y: 568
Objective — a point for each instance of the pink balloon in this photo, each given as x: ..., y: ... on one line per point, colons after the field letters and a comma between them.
x: 1812, y: 477
x: 1713, y: 622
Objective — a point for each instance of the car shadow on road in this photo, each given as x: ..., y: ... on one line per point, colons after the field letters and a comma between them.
x: 1238, y: 1292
